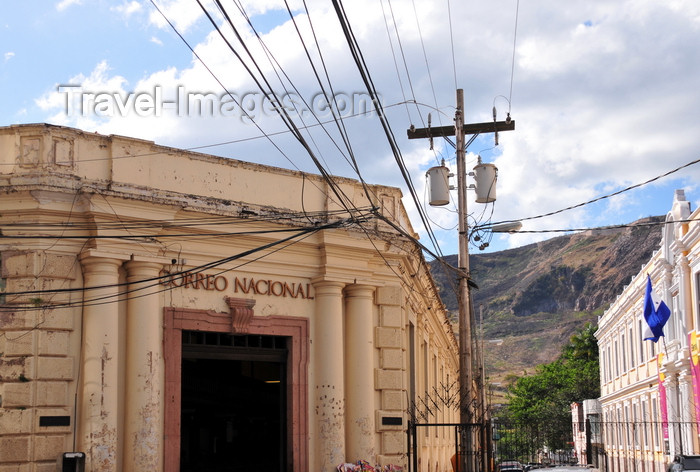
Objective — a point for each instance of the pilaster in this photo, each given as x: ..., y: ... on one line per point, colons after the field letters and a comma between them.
x: 359, y: 384
x: 145, y: 370
x: 99, y: 416
x: 329, y: 389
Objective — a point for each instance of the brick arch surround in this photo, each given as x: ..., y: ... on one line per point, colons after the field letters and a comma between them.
x: 296, y: 329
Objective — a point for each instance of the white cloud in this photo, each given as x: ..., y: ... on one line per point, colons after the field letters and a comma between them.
x: 69, y: 104
x: 64, y: 4
x: 127, y: 8
x: 9, y: 55
x: 603, y: 94
x: 181, y: 13
x: 260, y: 7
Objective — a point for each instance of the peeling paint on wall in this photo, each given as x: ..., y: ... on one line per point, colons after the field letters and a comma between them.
x: 366, y: 426
x: 330, y: 412
x: 103, y: 454
x: 147, y: 437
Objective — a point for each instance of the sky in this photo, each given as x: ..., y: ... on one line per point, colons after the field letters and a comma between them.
x: 605, y: 95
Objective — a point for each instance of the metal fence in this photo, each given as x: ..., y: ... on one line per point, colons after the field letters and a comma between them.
x: 484, y: 445
x: 544, y: 443
x: 641, y: 446
x: 441, y: 441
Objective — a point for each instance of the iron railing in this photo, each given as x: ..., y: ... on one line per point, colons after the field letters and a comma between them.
x: 639, y: 446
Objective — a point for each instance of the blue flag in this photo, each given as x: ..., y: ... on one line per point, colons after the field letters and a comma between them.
x: 656, y: 314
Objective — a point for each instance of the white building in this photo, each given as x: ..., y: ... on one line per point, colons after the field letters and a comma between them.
x: 649, y: 391
x: 587, y: 438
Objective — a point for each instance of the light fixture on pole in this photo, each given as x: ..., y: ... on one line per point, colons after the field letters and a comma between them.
x: 509, y: 227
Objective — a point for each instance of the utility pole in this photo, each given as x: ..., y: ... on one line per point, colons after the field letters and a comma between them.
x: 466, y: 377
x: 465, y: 316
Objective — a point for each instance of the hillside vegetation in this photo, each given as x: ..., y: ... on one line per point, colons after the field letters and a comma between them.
x: 532, y: 299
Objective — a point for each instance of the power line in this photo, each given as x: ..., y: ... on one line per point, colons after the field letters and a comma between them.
x: 277, y: 66
x: 357, y: 55
x: 340, y: 124
x: 148, y: 236
x: 366, y: 78
x: 396, y: 64
x: 403, y: 55
x: 603, y: 197
x: 278, y: 109
x: 452, y: 43
x: 155, y: 281
x: 122, y: 225
x: 405, y: 63
x: 640, y: 224
x: 247, y: 217
x: 512, y: 66
x: 281, y: 111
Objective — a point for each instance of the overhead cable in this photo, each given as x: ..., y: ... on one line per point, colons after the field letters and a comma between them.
x: 155, y: 281
x: 603, y: 197
x: 366, y: 78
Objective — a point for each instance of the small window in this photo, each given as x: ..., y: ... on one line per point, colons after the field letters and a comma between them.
x: 624, y: 356
x: 603, y: 369
x: 632, y: 360
x: 671, y: 328
x: 640, y: 327
x: 679, y: 320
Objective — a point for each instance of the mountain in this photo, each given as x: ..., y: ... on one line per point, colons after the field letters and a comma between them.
x: 531, y: 299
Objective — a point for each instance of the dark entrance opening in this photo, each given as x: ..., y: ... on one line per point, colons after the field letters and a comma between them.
x: 233, y: 402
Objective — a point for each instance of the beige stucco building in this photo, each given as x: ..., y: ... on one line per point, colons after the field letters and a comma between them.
x: 650, y: 391
x: 169, y: 310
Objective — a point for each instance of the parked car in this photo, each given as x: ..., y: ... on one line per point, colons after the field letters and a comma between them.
x: 510, y: 466
x: 684, y: 463
x: 532, y: 466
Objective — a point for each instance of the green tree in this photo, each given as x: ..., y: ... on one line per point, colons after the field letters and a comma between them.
x: 583, y: 345
x: 542, y: 401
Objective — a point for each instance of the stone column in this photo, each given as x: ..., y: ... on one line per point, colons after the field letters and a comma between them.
x: 99, y: 419
x: 145, y: 370
x: 687, y: 406
x: 359, y: 374
x: 329, y: 390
